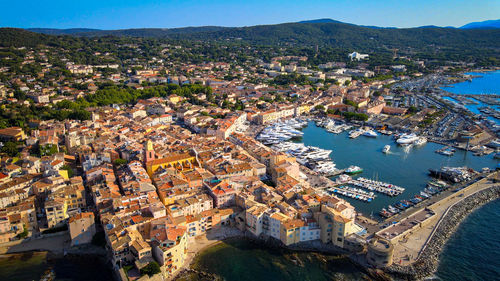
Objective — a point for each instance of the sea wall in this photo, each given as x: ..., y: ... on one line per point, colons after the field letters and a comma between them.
x: 428, y: 260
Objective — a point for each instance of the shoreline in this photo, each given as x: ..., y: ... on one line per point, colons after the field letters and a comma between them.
x: 193, y: 253
x: 463, y: 78
x: 271, y: 244
x: 428, y: 260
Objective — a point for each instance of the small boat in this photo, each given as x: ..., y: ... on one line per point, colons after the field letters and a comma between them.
x: 353, y: 170
x: 447, y: 152
x: 384, y: 213
x: 386, y: 149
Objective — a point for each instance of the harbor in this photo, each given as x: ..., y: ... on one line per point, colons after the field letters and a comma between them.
x: 404, y: 166
x: 315, y: 158
x: 397, y: 166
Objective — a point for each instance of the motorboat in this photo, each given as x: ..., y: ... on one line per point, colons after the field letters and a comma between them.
x: 353, y: 170
x: 386, y: 149
x: 370, y: 134
x: 407, y: 139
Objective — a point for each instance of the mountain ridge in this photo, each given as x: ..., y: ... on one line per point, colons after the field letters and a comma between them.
x: 487, y: 24
x: 322, y: 32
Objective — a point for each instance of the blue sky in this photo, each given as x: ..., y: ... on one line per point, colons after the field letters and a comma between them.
x: 117, y: 14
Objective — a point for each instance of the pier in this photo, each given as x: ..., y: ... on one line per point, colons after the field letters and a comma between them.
x: 380, y: 187
x: 410, y: 239
x: 352, y: 192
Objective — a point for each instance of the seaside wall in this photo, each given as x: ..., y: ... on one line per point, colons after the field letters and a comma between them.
x: 428, y: 260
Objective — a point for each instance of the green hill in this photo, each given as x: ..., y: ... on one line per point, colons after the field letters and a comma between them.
x: 322, y: 32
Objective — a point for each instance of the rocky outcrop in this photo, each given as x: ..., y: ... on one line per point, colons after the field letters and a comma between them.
x: 428, y: 260
x: 192, y: 274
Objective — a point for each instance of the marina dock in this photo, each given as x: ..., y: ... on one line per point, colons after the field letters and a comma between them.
x: 380, y: 187
x: 352, y: 192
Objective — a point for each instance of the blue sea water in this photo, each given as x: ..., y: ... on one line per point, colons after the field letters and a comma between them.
x: 486, y: 83
x: 407, y: 167
x: 472, y: 252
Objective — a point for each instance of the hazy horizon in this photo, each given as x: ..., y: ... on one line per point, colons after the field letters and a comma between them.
x: 128, y: 14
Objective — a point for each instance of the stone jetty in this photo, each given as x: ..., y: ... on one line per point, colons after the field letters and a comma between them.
x: 428, y: 260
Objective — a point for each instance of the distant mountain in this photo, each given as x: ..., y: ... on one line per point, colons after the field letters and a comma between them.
x: 432, y: 26
x: 134, y: 32
x: 323, y: 32
x: 56, y: 31
x: 318, y: 21
x: 488, y: 24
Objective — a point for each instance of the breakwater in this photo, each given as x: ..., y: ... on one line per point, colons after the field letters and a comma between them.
x: 428, y: 260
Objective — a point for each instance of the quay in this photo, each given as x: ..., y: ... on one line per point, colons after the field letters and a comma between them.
x: 410, y: 231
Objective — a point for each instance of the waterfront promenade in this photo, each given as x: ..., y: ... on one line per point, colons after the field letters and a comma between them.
x: 407, y: 247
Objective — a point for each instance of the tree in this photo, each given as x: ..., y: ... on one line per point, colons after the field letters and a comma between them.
x: 23, y: 234
x: 351, y: 103
x: 412, y: 109
x: 120, y: 161
x: 71, y: 173
x: 10, y: 148
x: 151, y: 269
x: 319, y: 107
x: 48, y: 149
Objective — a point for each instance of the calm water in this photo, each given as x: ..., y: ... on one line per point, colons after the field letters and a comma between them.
x: 32, y: 265
x: 472, y: 252
x: 487, y: 83
x: 242, y: 260
x: 404, y: 167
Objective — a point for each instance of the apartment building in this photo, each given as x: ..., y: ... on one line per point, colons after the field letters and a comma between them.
x: 170, y: 247
x: 82, y: 228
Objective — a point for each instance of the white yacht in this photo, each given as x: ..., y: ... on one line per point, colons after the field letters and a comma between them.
x: 407, y: 139
x: 370, y: 134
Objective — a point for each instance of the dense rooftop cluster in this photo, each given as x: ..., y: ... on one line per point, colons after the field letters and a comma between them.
x: 156, y: 144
